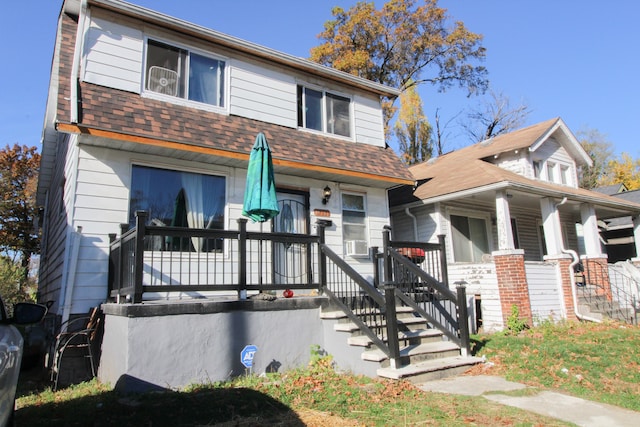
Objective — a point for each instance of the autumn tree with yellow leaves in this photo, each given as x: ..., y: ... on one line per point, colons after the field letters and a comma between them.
x: 402, y: 45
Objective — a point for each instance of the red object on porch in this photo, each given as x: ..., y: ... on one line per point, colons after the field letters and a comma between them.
x: 414, y: 254
x: 287, y: 293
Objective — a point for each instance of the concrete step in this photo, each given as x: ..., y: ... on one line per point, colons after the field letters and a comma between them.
x: 410, y: 337
x: 414, y: 353
x: 430, y: 370
x: 403, y: 323
x: 339, y: 314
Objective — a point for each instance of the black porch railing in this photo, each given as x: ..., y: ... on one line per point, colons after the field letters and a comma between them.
x: 158, y: 260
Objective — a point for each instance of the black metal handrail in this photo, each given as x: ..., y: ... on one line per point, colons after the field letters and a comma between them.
x: 418, y: 273
x: 362, y: 303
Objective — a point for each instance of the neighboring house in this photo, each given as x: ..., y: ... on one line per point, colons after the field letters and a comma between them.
x: 617, y: 233
x: 514, y: 220
x: 148, y: 112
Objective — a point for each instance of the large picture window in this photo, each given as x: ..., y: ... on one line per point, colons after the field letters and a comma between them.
x: 179, y: 199
x: 470, y: 239
x: 324, y: 111
x: 178, y: 72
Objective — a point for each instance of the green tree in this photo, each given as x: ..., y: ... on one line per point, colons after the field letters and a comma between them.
x: 413, y: 129
x: 402, y: 45
x: 18, y: 180
x: 600, y: 150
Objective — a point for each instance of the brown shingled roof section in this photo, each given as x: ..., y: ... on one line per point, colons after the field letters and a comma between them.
x: 123, y: 112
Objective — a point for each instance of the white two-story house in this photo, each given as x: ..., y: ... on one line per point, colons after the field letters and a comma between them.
x: 147, y: 112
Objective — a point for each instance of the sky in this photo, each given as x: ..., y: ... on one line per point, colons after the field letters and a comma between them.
x: 577, y: 60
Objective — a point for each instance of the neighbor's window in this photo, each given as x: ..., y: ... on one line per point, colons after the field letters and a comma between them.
x: 179, y: 199
x: 178, y: 72
x: 565, y: 175
x: 354, y: 225
x: 324, y: 111
x: 470, y: 239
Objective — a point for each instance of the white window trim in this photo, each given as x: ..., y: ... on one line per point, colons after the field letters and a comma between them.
x: 366, y: 222
x: 486, y: 216
x: 184, y: 101
x: 324, y: 91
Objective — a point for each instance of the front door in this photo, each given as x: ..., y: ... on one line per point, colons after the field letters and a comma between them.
x: 290, y: 263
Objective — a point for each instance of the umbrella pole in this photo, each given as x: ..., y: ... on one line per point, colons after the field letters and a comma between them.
x: 260, y: 258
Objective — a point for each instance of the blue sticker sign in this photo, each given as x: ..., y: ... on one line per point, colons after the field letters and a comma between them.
x: 246, y: 355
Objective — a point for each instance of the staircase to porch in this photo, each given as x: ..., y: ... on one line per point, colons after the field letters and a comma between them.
x: 425, y: 353
x: 609, y: 291
x: 408, y: 322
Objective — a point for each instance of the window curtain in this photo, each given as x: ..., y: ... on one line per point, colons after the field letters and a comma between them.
x: 205, y: 75
x: 192, y: 187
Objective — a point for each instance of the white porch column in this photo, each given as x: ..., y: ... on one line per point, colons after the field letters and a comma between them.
x: 636, y: 238
x: 551, y: 226
x: 590, y: 231
x: 503, y: 222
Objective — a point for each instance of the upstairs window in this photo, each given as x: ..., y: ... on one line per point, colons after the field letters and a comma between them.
x: 324, y: 111
x: 178, y: 72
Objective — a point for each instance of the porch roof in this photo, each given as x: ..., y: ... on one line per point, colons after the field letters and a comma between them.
x: 461, y: 174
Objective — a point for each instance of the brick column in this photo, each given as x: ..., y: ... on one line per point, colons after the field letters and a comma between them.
x: 512, y: 283
x: 596, y: 271
x: 566, y: 278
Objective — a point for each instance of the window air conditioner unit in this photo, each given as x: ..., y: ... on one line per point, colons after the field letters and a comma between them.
x: 163, y: 80
x: 356, y: 247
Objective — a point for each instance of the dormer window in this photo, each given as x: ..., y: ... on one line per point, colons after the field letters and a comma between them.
x: 178, y: 72
x: 324, y: 111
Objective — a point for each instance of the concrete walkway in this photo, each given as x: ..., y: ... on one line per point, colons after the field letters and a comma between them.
x: 557, y: 405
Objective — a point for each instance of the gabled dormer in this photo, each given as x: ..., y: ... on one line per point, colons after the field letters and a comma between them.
x: 547, y: 151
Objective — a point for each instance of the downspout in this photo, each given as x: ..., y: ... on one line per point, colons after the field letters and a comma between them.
x: 415, y: 223
x: 576, y: 260
x: 75, y: 66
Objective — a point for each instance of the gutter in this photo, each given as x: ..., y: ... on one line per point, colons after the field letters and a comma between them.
x: 576, y: 260
x: 75, y: 66
x: 70, y: 279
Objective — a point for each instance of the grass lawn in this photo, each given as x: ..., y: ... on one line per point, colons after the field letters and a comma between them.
x: 318, y: 396
x: 599, y: 362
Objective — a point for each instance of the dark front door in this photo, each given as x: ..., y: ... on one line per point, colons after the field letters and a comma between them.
x: 290, y: 260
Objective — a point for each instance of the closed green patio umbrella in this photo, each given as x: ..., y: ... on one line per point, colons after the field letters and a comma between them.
x: 260, y: 202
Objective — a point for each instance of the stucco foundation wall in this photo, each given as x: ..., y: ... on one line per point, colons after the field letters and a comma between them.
x: 173, y: 351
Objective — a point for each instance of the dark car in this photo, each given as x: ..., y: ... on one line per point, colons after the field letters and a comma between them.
x: 11, y: 348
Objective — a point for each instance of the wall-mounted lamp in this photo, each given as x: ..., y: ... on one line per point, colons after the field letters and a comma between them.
x: 326, y: 195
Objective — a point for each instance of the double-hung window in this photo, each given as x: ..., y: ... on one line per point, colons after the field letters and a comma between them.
x: 470, y: 238
x: 178, y: 199
x: 324, y: 111
x: 354, y: 225
x: 178, y: 72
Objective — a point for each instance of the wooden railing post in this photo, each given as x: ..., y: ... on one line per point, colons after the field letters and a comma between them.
x: 463, y: 318
x: 114, y: 267
x: 242, y: 258
x: 322, y: 258
x: 386, y: 243
x: 141, y: 221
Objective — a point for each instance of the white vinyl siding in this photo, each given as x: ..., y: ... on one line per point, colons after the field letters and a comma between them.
x: 556, y: 165
x: 262, y: 94
x: 369, y: 127
x: 544, y: 292
x: 113, y: 55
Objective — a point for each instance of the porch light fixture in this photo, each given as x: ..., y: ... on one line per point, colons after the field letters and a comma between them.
x: 326, y: 195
